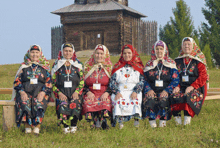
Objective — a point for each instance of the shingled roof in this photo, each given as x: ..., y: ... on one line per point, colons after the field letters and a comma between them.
x: 107, y: 6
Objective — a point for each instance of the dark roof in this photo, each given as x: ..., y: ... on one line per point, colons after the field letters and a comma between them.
x: 108, y: 6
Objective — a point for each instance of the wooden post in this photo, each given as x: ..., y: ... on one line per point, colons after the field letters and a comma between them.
x: 81, y: 40
x: 8, y: 117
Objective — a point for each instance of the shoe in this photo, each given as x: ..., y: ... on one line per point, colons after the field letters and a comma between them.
x: 28, y: 130
x: 162, y: 123
x: 36, y: 130
x: 136, y: 123
x: 121, y: 125
x: 66, y: 130
x: 98, y: 124
x: 153, y: 123
x: 178, y: 120
x: 73, y: 129
x: 187, y: 120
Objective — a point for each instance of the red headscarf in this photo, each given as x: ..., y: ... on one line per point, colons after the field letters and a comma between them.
x: 135, y: 62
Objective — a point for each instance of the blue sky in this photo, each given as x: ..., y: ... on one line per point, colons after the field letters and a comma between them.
x: 24, y: 23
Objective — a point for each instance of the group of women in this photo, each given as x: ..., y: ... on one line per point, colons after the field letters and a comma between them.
x: 126, y: 91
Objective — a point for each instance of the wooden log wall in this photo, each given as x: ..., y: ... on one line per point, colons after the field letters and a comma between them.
x: 126, y: 30
x: 57, y: 39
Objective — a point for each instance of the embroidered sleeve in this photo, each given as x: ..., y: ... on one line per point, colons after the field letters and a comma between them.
x: 113, y: 85
x: 48, y: 84
x: 86, y: 89
x: 174, y: 77
x: 18, y: 82
x: 201, y: 80
x: 147, y: 87
x: 79, y: 88
x: 139, y: 86
x: 56, y: 91
x: 108, y: 90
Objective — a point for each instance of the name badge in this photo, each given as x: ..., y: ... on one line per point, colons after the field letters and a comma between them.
x: 185, y: 78
x: 159, y: 83
x: 33, y: 81
x: 67, y: 84
x: 97, y: 86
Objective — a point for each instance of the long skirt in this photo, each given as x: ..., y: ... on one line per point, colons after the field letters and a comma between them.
x: 191, y: 102
x: 31, y: 111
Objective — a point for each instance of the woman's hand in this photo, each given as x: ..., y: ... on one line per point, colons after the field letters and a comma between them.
x: 24, y: 96
x: 133, y: 96
x: 62, y: 97
x: 75, y: 96
x: 104, y: 96
x: 90, y: 95
x: 164, y: 94
x: 151, y: 94
x: 176, y: 90
x: 118, y: 96
x: 189, y: 89
x: 40, y: 96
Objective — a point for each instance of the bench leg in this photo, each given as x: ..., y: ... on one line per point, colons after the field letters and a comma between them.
x: 8, y: 117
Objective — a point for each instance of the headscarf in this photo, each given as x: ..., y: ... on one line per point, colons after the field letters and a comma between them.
x: 196, y: 53
x: 43, y: 62
x: 60, y: 61
x: 90, y: 66
x: 135, y: 62
x: 166, y: 60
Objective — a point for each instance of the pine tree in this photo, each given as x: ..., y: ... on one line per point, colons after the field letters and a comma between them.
x: 177, y: 28
x: 207, y: 52
x: 211, y: 32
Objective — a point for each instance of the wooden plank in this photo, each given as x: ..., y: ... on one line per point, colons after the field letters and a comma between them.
x: 8, y: 117
x: 214, y: 97
x: 5, y: 90
x: 12, y: 103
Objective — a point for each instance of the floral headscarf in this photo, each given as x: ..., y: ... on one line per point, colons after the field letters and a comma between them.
x: 135, y: 62
x: 90, y: 66
x: 60, y: 61
x: 166, y: 60
x: 196, y: 53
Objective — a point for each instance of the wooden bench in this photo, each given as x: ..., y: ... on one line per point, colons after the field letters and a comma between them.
x: 9, y: 110
x: 9, y: 107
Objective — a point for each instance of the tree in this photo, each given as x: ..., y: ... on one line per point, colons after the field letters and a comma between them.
x: 211, y: 31
x: 177, y: 28
x: 207, y: 52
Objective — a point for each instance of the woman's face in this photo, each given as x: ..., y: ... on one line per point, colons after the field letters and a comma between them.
x: 67, y: 53
x: 34, y: 55
x: 159, y: 51
x: 99, y: 56
x: 127, y: 54
x: 187, y: 47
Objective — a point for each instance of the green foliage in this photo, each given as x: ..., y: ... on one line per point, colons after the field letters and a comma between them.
x: 177, y: 28
x: 208, y: 56
x: 210, y: 32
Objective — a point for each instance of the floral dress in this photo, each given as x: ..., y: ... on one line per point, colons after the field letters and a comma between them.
x: 32, y: 111
x: 157, y: 106
x: 126, y: 80
x: 70, y: 109
x: 92, y: 106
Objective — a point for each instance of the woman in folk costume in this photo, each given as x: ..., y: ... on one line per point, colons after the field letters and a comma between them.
x: 126, y: 83
x: 190, y: 94
x: 97, y: 101
x: 68, y: 83
x: 161, y: 78
x: 32, y: 89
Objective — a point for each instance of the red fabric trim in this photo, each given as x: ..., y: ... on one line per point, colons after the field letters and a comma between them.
x: 201, y: 80
x: 135, y: 62
x: 183, y: 106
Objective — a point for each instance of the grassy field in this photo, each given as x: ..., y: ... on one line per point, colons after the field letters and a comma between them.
x: 203, y: 132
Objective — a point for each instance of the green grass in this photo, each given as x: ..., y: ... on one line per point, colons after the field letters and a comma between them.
x: 203, y: 131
